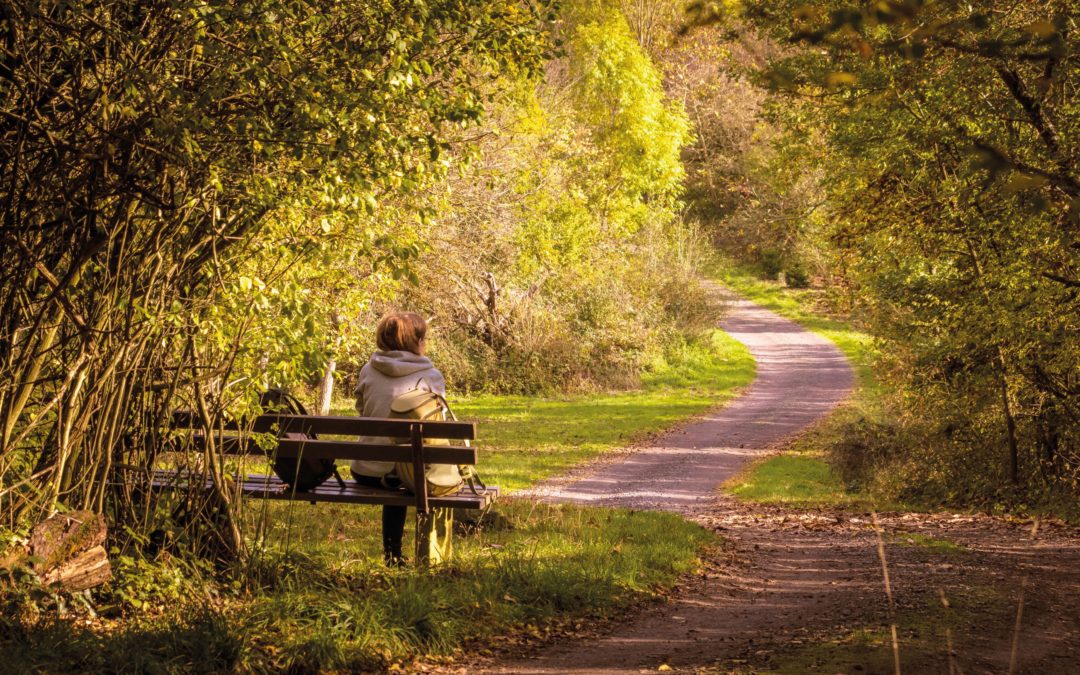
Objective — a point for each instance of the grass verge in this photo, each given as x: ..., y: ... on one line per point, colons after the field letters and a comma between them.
x: 328, y: 602
x: 526, y: 439
x: 795, y: 478
x: 801, y: 474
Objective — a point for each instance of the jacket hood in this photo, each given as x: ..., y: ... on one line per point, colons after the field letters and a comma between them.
x: 399, y: 363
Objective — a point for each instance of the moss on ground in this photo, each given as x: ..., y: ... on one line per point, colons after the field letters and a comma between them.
x: 929, y: 543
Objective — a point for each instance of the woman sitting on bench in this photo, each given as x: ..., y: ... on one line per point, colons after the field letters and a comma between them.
x: 397, y: 367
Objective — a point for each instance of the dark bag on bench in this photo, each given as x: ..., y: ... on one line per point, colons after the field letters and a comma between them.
x: 301, y: 474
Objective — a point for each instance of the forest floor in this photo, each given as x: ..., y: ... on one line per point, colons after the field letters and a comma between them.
x: 803, y: 590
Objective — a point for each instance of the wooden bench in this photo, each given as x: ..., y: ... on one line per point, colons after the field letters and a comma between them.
x: 237, y: 439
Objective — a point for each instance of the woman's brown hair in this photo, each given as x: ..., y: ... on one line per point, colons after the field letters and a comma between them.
x: 401, y: 331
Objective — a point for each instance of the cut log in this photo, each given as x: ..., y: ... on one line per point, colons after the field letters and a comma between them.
x: 67, y: 549
x: 90, y: 568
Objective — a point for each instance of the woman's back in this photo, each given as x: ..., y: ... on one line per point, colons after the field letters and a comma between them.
x: 390, y: 374
x: 386, y: 376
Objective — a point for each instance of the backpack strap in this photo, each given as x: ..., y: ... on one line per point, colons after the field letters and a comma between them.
x: 472, y: 478
x: 427, y: 387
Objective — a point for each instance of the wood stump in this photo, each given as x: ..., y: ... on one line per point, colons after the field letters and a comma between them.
x: 68, y: 549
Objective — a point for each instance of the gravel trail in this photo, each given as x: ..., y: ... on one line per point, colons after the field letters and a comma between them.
x: 800, y: 378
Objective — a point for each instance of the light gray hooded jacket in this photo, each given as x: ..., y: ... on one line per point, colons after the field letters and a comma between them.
x: 383, y: 378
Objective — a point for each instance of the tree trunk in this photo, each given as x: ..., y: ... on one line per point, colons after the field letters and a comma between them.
x: 1003, y: 377
x: 1010, y: 429
x: 326, y: 388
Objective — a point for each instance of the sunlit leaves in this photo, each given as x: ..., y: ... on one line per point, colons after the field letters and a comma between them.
x: 950, y: 133
x: 838, y: 79
x: 185, y: 170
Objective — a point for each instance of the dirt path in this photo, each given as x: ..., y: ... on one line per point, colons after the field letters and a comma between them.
x: 800, y: 378
x: 802, y: 591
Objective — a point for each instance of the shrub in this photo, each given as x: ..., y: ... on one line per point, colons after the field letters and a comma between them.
x: 796, y: 276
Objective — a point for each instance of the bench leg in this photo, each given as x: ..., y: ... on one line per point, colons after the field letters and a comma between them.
x: 434, y: 536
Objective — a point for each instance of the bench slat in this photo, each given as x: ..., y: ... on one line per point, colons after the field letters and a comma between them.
x: 271, y: 487
x: 344, y: 426
x: 347, y: 450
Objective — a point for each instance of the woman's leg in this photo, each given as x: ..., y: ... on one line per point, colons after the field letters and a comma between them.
x: 393, y: 523
x: 393, y: 531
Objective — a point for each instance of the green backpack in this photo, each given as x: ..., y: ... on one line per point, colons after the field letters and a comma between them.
x: 442, y: 479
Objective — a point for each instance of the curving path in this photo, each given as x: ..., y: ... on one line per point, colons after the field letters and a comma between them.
x: 800, y: 377
x: 790, y: 578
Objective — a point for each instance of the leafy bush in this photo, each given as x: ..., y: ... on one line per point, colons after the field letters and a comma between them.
x: 796, y: 276
x: 151, y: 586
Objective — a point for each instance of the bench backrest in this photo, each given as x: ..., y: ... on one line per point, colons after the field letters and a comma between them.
x: 234, y: 437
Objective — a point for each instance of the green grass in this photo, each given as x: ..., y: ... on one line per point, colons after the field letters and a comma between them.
x: 542, y: 564
x: 320, y: 598
x: 802, y: 479
x: 329, y: 603
x: 526, y: 439
x: 929, y: 543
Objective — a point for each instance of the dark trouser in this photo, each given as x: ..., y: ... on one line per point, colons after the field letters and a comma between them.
x: 393, y: 522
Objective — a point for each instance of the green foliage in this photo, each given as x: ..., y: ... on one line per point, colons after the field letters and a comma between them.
x: 638, y: 130
x: 751, y: 182
x: 195, y: 639
x: 150, y: 586
x: 796, y: 277
x: 169, y: 171
x: 947, y: 161
x: 557, y: 260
